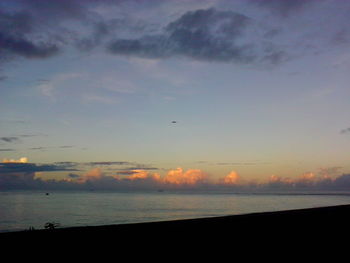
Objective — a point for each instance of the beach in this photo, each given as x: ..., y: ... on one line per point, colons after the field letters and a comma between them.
x: 304, y: 224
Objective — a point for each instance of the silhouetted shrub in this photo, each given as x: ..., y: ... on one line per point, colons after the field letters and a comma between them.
x: 51, y: 225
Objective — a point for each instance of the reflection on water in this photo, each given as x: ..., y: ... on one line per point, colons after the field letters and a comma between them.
x: 21, y: 210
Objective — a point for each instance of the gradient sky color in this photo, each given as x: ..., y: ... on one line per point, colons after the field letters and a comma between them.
x: 257, y: 88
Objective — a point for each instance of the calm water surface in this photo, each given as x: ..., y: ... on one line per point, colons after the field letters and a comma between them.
x: 21, y: 210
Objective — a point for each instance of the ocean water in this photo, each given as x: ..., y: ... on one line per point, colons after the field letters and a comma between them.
x: 24, y: 209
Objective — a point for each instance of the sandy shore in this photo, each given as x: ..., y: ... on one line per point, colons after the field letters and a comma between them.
x: 304, y: 223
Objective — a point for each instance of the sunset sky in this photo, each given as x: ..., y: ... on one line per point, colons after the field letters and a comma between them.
x: 176, y: 92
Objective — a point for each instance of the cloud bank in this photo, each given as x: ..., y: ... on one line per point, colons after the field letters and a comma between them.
x: 19, y: 174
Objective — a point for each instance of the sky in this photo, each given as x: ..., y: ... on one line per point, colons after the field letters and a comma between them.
x: 131, y: 94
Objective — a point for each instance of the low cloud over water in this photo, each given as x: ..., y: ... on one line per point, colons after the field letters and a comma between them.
x: 20, y: 174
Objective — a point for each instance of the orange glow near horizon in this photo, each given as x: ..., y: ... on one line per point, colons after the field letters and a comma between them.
x: 20, y: 160
x: 142, y: 174
x: 231, y: 178
x: 179, y: 177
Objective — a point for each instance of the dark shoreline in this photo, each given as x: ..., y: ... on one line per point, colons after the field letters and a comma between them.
x: 306, y: 223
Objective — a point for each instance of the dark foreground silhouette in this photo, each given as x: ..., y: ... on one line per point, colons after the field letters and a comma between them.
x: 324, y: 220
x: 293, y: 229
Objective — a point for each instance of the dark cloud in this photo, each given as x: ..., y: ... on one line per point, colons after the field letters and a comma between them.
x: 15, y: 24
x: 110, y: 166
x: 71, y: 175
x: 272, y: 33
x: 25, y: 48
x: 345, y: 131
x: 16, y: 138
x: 30, y: 135
x: 128, y: 165
x: 22, y: 176
x: 275, y: 57
x: 42, y: 148
x: 209, y: 35
x: 324, y: 184
x: 27, y: 180
x: 100, y: 30
x: 335, y: 184
x: 126, y: 172
x: 282, y: 7
x: 143, y: 167
x: 38, y: 148
x: 121, y: 167
x: 39, y: 29
x: 16, y: 38
x: 9, y: 139
x: 109, y: 163
x: 34, y: 30
x: 8, y: 168
x: 12, y: 181
x: 342, y: 182
x: 74, y: 9
x: 67, y: 164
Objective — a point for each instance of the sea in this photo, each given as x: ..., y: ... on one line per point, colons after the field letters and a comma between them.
x: 24, y: 210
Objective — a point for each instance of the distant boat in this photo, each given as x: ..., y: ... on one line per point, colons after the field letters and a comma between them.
x: 160, y: 190
x: 46, y: 193
x: 174, y: 122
